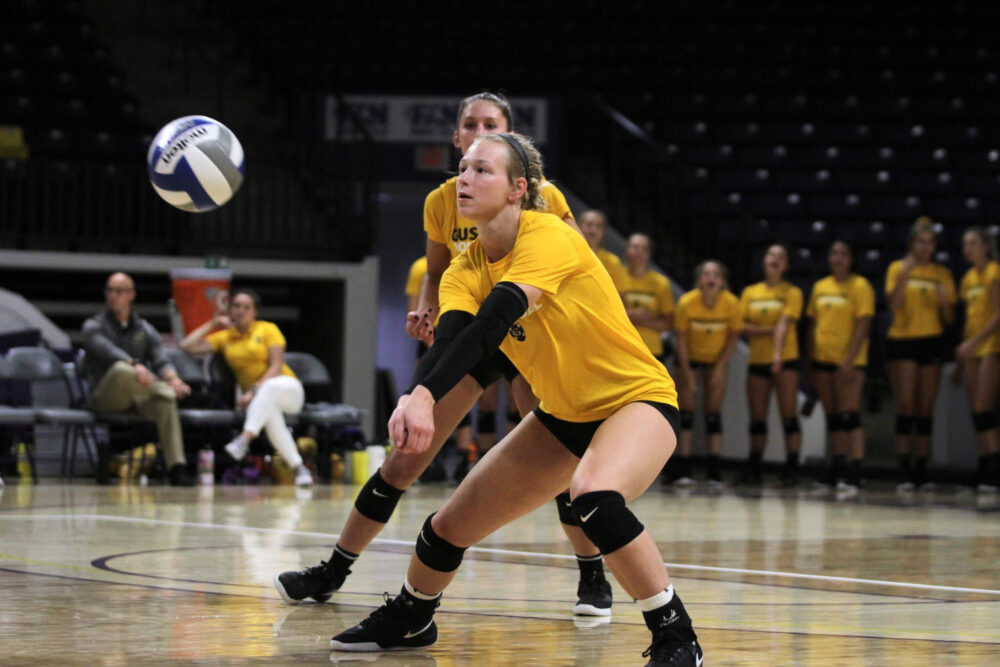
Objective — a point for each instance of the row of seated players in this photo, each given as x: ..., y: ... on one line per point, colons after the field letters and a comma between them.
x: 921, y: 295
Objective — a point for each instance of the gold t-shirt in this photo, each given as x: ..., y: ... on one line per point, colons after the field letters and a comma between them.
x: 575, y: 346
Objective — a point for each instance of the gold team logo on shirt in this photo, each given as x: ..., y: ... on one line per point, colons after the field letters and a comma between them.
x: 763, y: 305
x: 517, y: 332
x: 707, y: 327
x: 973, y: 293
x: 922, y: 284
x: 831, y: 300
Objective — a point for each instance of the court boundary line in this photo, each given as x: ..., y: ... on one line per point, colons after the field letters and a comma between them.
x: 512, y: 552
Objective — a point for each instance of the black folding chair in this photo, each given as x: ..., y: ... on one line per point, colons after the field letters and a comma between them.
x: 53, y: 400
x: 325, y: 418
x: 202, y: 417
x: 16, y: 425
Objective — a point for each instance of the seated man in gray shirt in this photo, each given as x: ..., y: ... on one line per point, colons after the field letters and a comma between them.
x: 125, y: 357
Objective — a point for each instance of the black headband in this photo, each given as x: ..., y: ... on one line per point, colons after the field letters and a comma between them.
x: 516, y: 145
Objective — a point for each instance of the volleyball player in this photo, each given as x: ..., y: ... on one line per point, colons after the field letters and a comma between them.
x: 649, y: 302
x: 921, y: 295
x: 978, y: 356
x: 840, y: 311
x: 593, y: 224
x: 771, y: 311
x: 605, y: 425
x: 449, y: 234
x: 708, y: 324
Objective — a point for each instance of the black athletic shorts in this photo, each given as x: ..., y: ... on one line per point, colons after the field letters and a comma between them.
x: 764, y: 370
x: 925, y: 351
x: 825, y: 367
x: 494, y: 367
x: 576, y: 436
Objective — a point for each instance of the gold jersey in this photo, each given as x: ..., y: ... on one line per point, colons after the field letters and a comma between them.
x: 835, y: 309
x: 975, y: 290
x: 707, y: 329
x: 415, y: 279
x: 651, y: 292
x: 764, y: 305
x: 920, y: 316
x: 246, y: 353
x: 575, y: 346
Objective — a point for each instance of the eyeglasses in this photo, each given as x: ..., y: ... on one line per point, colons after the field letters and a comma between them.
x: 117, y: 290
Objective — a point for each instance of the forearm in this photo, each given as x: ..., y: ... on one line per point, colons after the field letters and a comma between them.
x: 991, y: 328
x: 858, y: 339
x: 100, y: 347
x: 780, y: 335
x: 429, y: 292
x: 194, y: 342
x: 757, y: 330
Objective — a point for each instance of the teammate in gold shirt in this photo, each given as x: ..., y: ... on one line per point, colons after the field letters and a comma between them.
x: 708, y: 324
x: 593, y: 224
x: 771, y: 310
x: 604, y: 427
x: 648, y: 299
x: 478, y: 115
x: 978, y: 357
x: 841, y: 308
x: 449, y: 234
x: 921, y: 295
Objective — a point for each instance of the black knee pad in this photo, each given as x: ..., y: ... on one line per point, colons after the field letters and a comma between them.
x: 833, y: 423
x: 985, y: 421
x: 606, y: 521
x: 850, y: 420
x: 465, y: 421
x: 713, y: 423
x: 904, y: 424
x: 758, y: 427
x: 436, y: 552
x: 791, y: 425
x: 687, y: 420
x: 487, y: 422
x: 924, y: 425
x: 565, y: 505
x: 377, y: 500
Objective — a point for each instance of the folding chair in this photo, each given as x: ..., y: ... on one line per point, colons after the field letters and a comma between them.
x: 53, y: 399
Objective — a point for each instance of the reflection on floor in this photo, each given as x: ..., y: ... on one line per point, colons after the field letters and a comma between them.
x: 132, y: 574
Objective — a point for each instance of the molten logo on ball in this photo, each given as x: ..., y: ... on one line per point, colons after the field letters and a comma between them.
x: 195, y: 163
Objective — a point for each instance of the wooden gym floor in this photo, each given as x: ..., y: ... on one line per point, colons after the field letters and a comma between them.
x: 132, y: 574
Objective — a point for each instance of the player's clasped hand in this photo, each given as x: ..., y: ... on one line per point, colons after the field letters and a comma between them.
x: 411, y: 426
x: 420, y: 325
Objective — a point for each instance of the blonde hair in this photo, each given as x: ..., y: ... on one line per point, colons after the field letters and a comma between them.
x: 526, y: 164
x: 919, y: 226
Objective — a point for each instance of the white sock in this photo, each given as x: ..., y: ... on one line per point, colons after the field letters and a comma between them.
x: 655, y: 602
x: 417, y: 594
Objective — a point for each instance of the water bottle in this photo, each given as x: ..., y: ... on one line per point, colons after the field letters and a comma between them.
x: 206, y: 467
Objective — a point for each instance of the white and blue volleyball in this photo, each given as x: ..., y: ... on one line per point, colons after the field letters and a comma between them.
x: 195, y: 163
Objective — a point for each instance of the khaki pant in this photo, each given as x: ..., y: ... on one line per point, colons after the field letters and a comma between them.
x: 118, y: 391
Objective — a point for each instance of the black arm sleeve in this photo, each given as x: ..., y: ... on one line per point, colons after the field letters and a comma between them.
x: 465, y: 345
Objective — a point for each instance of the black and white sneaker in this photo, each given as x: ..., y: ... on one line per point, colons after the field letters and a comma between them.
x: 594, y: 598
x: 318, y: 583
x: 668, y: 649
x: 394, y: 626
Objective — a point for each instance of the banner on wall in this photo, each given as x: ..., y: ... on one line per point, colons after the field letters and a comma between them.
x: 422, y: 118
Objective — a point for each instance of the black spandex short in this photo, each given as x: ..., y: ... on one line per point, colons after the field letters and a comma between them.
x: 824, y: 367
x: 576, y: 436
x: 764, y: 370
x: 925, y: 351
x: 695, y: 365
x: 492, y: 368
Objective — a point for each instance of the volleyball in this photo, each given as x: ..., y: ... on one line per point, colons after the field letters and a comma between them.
x: 195, y: 163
